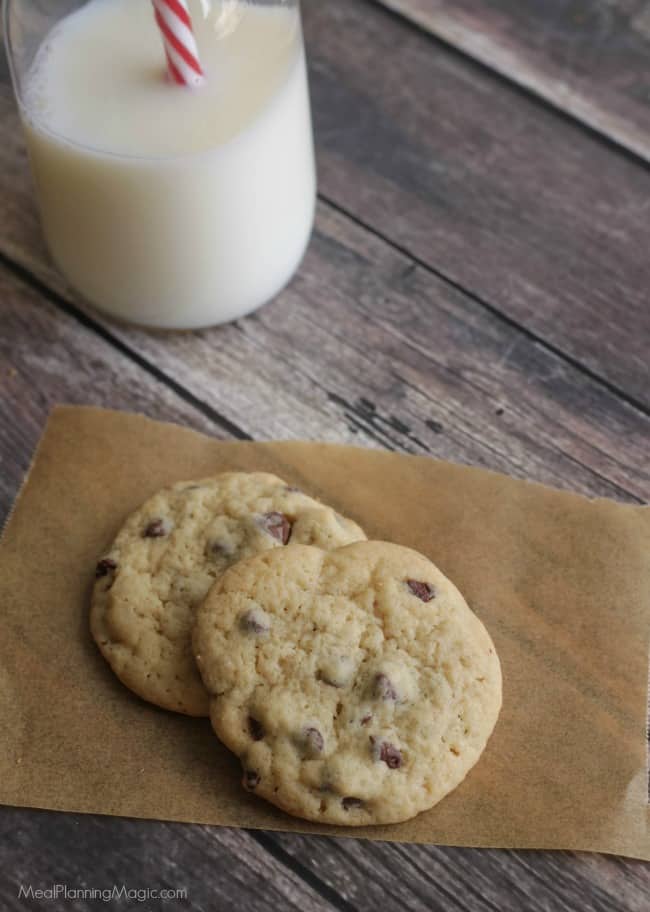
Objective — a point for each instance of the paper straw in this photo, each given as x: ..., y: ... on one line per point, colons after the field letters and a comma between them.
x: 182, y: 53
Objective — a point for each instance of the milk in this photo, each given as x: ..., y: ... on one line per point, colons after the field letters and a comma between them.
x: 168, y: 206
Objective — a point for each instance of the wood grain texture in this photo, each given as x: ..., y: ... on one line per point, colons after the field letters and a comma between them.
x: 537, y: 218
x: 586, y: 57
x: 367, y: 347
x: 456, y: 880
x: 364, y: 348
x: 48, y: 358
x: 219, y: 868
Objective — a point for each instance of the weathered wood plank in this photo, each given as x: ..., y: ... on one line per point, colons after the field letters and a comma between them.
x: 366, y: 347
x: 472, y: 880
x: 541, y: 220
x: 220, y: 869
x: 47, y: 357
x: 586, y: 57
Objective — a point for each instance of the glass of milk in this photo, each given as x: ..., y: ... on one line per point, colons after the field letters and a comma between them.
x: 163, y: 205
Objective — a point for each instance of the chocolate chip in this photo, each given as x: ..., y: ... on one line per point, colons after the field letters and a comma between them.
x: 383, y: 687
x: 157, y: 528
x: 391, y: 756
x: 314, y: 741
x: 255, y: 622
x: 367, y: 718
x: 218, y: 549
x: 277, y: 525
x: 351, y: 803
x: 104, y: 567
x: 251, y: 779
x: 256, y: 729
x: 424, y: 591
x: 292, y: 489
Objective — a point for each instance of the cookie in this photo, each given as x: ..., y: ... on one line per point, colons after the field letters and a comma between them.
x: 356, y: 686
x: 169, y: 553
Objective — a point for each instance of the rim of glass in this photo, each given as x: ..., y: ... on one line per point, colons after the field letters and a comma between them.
x: 122, y: 156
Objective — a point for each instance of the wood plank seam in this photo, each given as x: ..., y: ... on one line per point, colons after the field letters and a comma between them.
x: 366, y: 414
x: 360, y: 420
x: 632, y: 154
x: 240, y: 434
x: 633, y: 497
x: 89, y: 323
x: 363, y: 417
x: 268, y: 842
x: 492, y: 309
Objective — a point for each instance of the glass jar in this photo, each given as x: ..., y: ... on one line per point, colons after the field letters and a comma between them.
x: 163, y: 204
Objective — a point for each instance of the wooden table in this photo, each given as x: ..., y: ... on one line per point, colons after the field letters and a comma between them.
x: 477, y: 288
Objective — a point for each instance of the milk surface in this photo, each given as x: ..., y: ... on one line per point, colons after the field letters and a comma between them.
x: 164, y: 205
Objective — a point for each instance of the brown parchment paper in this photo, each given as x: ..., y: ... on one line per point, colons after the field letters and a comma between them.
x: 562, y: 583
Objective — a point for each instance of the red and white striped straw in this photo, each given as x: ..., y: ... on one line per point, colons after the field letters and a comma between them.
x: 182, y: 53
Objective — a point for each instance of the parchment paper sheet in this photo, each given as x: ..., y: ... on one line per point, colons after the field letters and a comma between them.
x: 562, y: 583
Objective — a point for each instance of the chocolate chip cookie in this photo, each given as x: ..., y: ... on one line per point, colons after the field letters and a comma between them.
x: 169, y: 553
x: 356, y: 686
